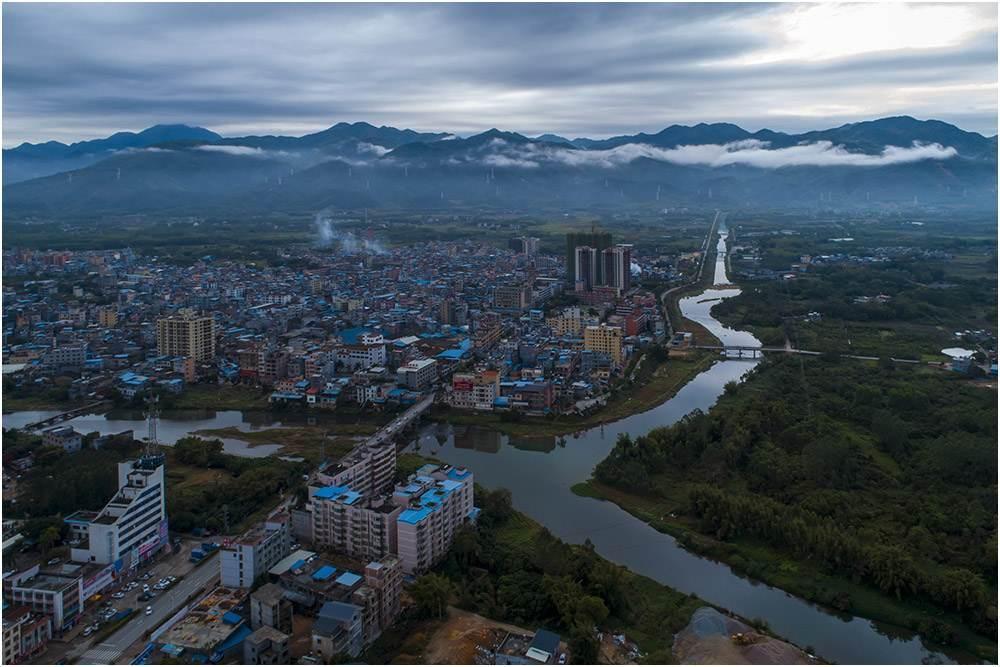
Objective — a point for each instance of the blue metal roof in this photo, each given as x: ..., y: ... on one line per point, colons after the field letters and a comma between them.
x: 324, y: 573
x: 348, y: 579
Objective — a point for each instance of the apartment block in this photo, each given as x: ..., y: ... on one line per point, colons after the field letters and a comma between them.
x: 271, y: 608
x: 25, y: 633
x: 243, y: 560
x: 474, y: 391
x: 418, y: 374
x: 437, y: 502
x: 186, y: 334
x: 605, y: 340
x: 348, y: 522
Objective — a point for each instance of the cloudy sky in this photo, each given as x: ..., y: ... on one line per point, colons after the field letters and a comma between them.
x: 76, y: 71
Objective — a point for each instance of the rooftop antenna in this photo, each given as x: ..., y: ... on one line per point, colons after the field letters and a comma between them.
x: 657, y: 193
x: 152, y: 447
x: 118, y: 174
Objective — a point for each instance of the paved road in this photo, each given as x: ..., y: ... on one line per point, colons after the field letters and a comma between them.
x: 164, y: 606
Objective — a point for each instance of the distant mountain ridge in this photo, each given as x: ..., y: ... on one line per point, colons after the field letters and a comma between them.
x: 176, y: 167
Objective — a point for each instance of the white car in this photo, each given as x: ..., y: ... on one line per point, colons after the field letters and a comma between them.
x: 87, y: 631
x: 118, y: 596
x: 149, y: 610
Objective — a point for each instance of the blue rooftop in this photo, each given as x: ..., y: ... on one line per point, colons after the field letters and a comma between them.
x: 348, y: 579
x: 324, y: 573
x: 342, y: 494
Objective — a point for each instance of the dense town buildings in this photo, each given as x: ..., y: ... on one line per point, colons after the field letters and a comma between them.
x: 376, y: 329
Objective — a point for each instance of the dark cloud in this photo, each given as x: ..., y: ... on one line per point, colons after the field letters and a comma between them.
x: 75, y: 71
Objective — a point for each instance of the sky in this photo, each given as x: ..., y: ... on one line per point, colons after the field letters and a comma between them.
x: 83, y: 71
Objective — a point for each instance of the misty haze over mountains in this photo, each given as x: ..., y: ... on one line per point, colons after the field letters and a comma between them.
x: 187, y: 170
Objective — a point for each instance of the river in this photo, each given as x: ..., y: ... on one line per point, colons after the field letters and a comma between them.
x: 540, y: 471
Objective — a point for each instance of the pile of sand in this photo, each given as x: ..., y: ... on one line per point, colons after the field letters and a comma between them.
x: 712, y: 638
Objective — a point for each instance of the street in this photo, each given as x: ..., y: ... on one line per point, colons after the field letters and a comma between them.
x: 164, y: 606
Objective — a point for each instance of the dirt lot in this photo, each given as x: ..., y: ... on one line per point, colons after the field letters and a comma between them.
x: 455, y: 642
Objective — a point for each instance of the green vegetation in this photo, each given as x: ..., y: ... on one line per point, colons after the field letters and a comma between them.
x: 657, y: 379
x: 512, y: 569
x: 929, y: 281
x: 217, y: 397
x: 215, y: 491
x: 866, y: 487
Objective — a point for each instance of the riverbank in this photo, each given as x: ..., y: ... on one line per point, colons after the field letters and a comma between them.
x: 838, y: 595
x: 652, y: 386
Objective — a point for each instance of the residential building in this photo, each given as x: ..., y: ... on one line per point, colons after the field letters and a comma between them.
x: 186, y: 334
x: 514, y: 297
x: 338, y: 630
x: 245, y: 559
x: 64, y: 437
x: 25, y: 633
x: 266, y: 646
x: 437, y: 502
x: 66, y: 356
x: 385, y: 578
x: 588, y: 268
x: 55, y: 595
x: 474, y: 391
x: 348, y: 522
x: 618, y: 266
x: 594, y: 239
x: 418, y: 374
x: 487, y: 331
x: 605, y: 340
x: 269, y: 607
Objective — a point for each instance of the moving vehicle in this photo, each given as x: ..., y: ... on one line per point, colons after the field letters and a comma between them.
x: 149, y: 610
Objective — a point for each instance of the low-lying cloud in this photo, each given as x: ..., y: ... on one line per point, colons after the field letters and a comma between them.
x: 751, y: 152
x: 234, y: 150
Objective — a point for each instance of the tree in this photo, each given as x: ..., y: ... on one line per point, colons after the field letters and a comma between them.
x: 48, y: 539
x: 583, y: 646
x: 432, y: 593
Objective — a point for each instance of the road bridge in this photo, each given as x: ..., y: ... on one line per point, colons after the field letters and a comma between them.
x: 69, y: 414
x: 755, y: 351
x: 400, y: 423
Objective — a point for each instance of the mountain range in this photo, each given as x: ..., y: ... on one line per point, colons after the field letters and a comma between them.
x: 190, y: 170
